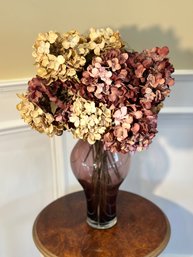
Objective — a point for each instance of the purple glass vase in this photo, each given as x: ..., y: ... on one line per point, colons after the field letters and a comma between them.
x: 100, y: 173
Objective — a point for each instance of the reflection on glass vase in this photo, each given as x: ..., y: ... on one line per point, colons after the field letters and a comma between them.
x: 100, y: 173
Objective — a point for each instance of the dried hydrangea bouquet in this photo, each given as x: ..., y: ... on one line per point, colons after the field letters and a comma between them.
x: 106, y: 95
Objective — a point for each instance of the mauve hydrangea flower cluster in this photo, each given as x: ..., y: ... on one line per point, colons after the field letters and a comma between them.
x: 96, y: 88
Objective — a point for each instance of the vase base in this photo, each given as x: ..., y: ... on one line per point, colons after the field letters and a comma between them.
x: 97, y: 225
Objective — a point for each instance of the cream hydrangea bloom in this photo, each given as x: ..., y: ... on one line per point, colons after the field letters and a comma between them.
x: 90, y: 122
x: 37, y: 118
x: 103, y: 39
x: 59, y: 56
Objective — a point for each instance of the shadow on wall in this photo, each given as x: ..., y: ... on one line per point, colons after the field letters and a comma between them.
x: 139, y: 39
x: 151, y: 168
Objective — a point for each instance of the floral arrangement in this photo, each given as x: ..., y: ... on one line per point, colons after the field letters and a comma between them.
x: 95, y: 87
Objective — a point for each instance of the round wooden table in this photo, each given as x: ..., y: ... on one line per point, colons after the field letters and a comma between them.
x: 142, y: 230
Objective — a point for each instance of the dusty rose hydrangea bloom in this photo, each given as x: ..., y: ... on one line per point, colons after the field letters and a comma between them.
x: 133, y: 85
x: 106, y: 77
x: 132, y: 133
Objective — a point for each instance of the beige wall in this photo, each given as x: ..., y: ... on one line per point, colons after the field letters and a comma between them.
x: 142, y: 24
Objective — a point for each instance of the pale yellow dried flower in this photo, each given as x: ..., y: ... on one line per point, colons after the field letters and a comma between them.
x: 37, y: 118
x: 59, y: 56
x: 71, y: 39
x: 90, y: 122
x: 76, y: 49
x: 103, y: 39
